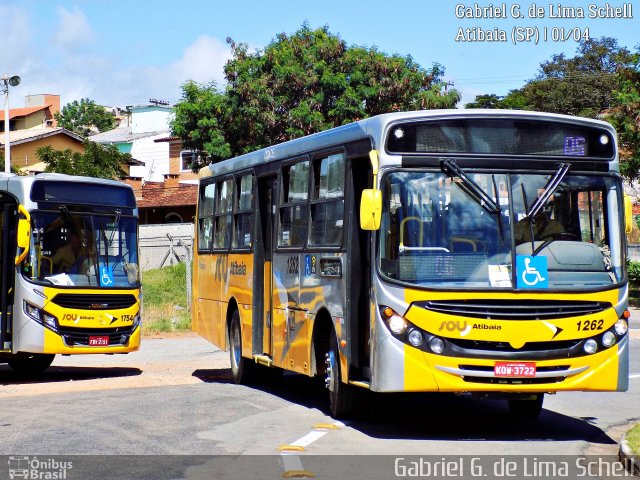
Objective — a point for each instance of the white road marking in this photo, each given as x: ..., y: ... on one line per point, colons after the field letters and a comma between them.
x: 254, y: 405
x: 309, y: 438
x: 635, y: 375
x: 292, y: 461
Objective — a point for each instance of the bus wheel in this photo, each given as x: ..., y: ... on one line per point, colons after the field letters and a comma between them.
x: 526, y: 409
x: 340, y: 394
x: 31, y: 363
x: 240, y: 366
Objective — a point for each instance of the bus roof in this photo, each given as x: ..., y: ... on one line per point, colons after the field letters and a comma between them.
x: 374, y: 128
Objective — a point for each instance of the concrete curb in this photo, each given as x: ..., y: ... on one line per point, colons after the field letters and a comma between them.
x: 630, y: 461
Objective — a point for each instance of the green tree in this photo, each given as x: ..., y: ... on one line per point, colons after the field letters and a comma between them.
x: 84, y: 117
x: 582, y: 85
x: 625, y: 116
x: 301, y: 84
x: 98, y: 161
x: 196, y: 121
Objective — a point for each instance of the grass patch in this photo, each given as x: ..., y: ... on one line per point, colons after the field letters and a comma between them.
x: 164, y: 300
x: 633, y: 439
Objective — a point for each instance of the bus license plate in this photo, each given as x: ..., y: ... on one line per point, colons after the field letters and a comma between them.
x: 514, y: 369
x: 101, y: 341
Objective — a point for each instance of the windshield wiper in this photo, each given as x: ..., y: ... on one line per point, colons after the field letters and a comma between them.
x: 548, y: 190
x: 64, y: 211
x: 495, y: 191
x: 116, y: 223
x: 468, y: 186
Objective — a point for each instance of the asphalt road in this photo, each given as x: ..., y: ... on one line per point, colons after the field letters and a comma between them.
x: 174, y: 397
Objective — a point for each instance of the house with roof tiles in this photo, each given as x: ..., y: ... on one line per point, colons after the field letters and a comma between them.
x: 165, y: 187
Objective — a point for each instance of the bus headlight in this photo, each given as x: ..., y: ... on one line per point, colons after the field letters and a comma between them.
x: 436, y: 345
x: 395, y: 322
x: 40, y: 316
x: 590, y: 346
x: 415, y: 338
x: 608, y: 339
x: 621, y: 327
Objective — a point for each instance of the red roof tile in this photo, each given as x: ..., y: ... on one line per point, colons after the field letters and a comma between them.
x: 165, y: 194
x: 23, y: 112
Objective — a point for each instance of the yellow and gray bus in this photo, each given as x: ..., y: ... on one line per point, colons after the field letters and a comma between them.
x: 70, y: 279
x: 478, y: 252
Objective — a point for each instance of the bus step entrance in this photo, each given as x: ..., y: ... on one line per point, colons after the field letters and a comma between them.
x: 265, y: 360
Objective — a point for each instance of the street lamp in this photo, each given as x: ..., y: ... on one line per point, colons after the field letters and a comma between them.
x: 6, y: 81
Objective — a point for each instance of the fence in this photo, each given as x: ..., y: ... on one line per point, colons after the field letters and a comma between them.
x: 164, y: 245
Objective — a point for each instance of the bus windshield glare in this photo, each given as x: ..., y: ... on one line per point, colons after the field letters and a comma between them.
x: 469, y: 229
x: 73, y: 249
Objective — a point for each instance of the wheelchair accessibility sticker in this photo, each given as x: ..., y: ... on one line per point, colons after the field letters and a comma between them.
x: 106, y: 276
x: 532, y: 272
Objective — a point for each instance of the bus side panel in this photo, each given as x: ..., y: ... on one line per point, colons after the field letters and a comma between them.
x: 207, y: 318
x: 240, y: 282
x: 285, y: 303
x: 219, y: 311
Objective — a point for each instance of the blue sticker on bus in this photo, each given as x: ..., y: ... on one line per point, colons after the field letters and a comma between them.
x: 531, y: 272
x: 106, y: 276
x: 309, y: 265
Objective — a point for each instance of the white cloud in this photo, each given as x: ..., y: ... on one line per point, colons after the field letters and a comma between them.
x: 74, y: 30
x: 203, y: 61
x: 16, y: 30
x: 74, y: 72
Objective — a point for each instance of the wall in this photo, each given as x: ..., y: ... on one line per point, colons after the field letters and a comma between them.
x: 155, y: 155
x: 155, y: 246
x: 24, y: 154
x: 150, y: 119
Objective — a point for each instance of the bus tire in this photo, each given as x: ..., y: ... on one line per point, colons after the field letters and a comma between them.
x: 341, y: 395
x: 526, y: 409
x: 31, y: 363
x: 241, y: 367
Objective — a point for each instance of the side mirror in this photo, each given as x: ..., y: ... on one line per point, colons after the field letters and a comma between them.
x: 370, y: 209
x: 24, y: 233
x: 628, y: 214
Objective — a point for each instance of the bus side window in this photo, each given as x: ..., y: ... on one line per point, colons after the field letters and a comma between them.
x: 293, y: 205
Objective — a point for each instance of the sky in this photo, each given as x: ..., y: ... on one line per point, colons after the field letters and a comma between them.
x: 125, y: 52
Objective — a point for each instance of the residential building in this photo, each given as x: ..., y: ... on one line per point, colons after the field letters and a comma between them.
x: 137, y: 134
x: 38, y: 113
x: 25, y: 143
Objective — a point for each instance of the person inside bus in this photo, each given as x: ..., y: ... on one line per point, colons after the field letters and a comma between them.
x: 69, y: 258
x: 544, y: 227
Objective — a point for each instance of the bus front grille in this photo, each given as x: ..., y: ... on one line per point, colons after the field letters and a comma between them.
x: 485, y: 374
x: 80, y: 336
x: 514, y: 309
x: 564, y: 346
x: 81, y: 301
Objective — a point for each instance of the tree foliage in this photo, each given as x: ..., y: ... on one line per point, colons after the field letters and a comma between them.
x: 98, y: 161
x: 582, y: 85
x: 625, y: 117
x: 301, y: 84
x: 84, y: 117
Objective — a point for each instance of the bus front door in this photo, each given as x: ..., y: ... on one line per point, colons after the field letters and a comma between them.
x: 263, y: 261
x: 7, y: 266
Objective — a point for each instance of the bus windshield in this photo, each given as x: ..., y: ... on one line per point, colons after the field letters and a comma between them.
x: 460, y: 229
x: 81, y: 249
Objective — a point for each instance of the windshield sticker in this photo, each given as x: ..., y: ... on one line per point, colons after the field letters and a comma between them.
x: 106, y: 276
x: 500, y: 275
x: 532, y: 272
x: 61, y: 279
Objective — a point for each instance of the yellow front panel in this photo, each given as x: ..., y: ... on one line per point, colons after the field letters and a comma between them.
x: 423, y: 371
